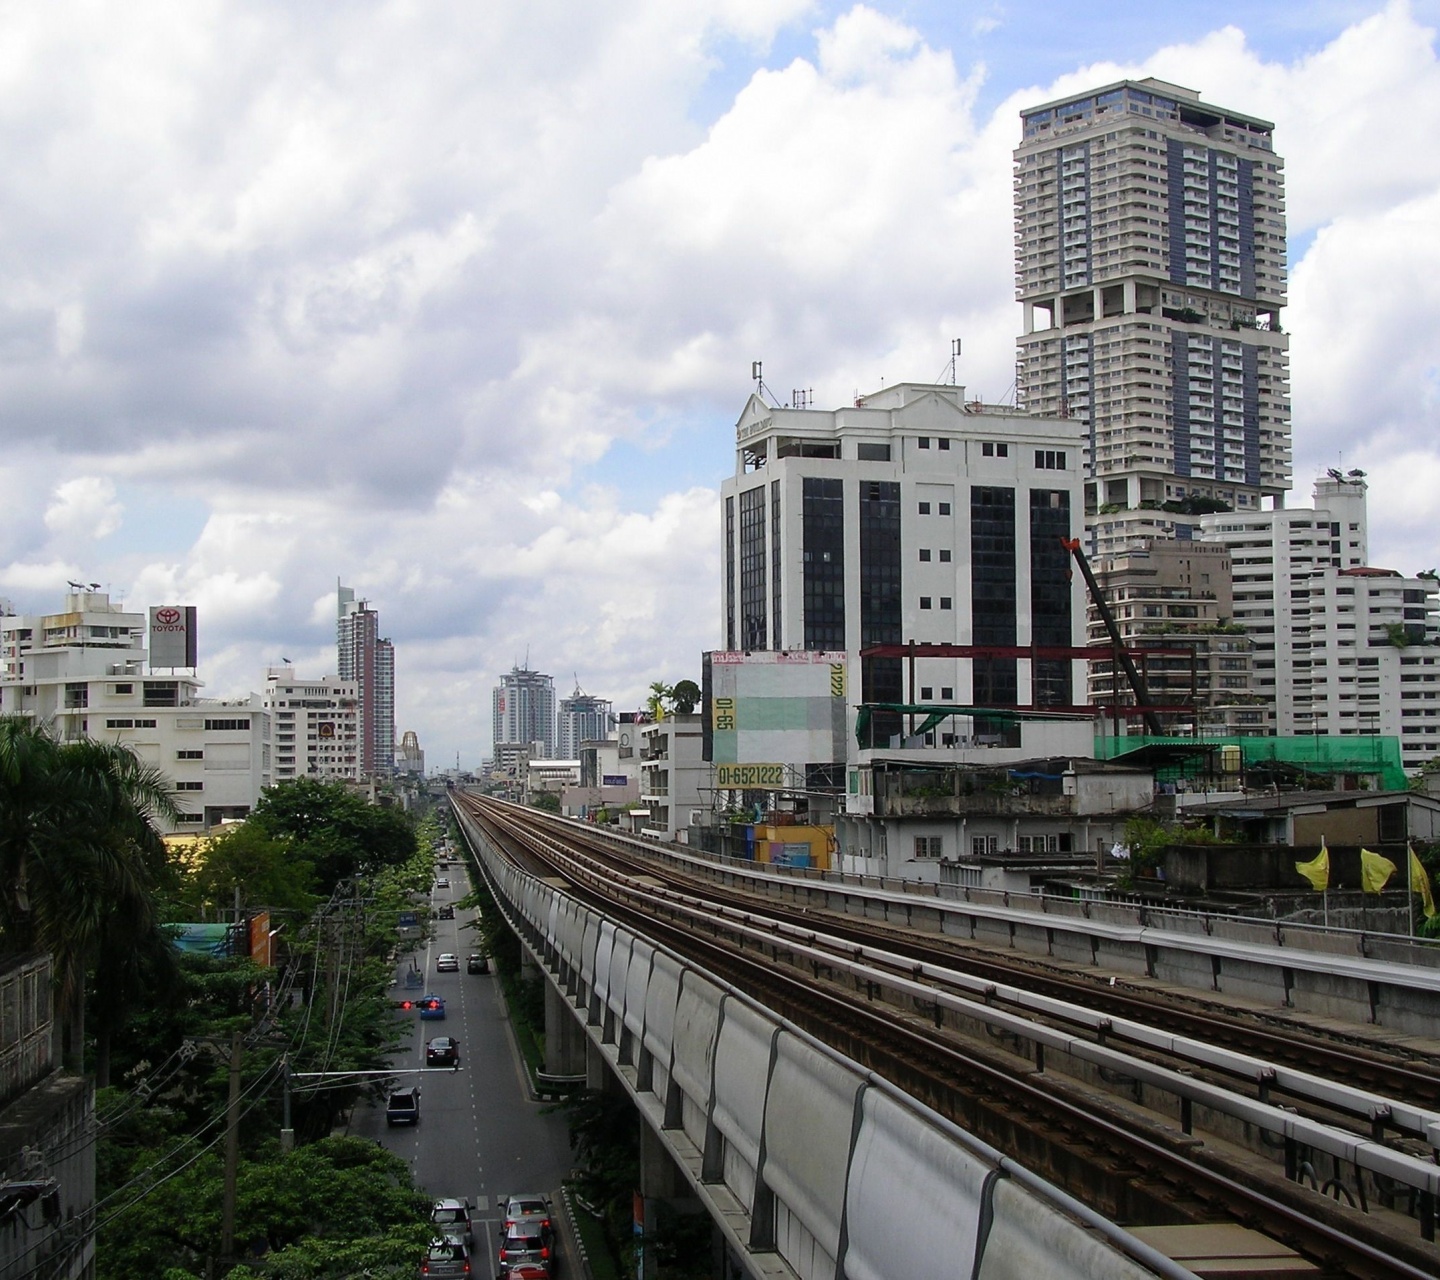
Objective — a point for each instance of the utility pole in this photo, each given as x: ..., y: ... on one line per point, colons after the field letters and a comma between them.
x: 232, y: 1152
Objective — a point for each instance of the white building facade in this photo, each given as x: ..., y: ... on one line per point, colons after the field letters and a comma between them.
x: 913, y: 515
x: 1341, y: 647
x: 582, y: 718
x: 83, y: 671
x: 316, y: 724
x: 1150, y: 261
x: 523, y: 711
x: 674, y: 777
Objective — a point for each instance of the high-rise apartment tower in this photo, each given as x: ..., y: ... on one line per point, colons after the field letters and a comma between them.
x: 369, y: 660
x: 1150, y: 262
x: 583, y: 718
x: 523, y: 710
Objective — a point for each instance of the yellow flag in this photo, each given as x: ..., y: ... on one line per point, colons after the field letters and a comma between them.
x: 1375, y: 871
x: 1317, y: 870
x: 1420, y: 882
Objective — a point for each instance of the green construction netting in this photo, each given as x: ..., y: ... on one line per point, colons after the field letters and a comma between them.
x: 1310, y: 754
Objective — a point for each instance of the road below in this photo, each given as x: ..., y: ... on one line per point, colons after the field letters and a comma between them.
x: 480, y: 1135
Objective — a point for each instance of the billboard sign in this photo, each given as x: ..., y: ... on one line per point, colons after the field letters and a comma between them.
x: 614, y: 780
x: 750, y: 777
x: 172, y: 636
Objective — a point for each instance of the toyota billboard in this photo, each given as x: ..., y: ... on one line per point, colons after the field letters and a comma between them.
x: 172, y: 636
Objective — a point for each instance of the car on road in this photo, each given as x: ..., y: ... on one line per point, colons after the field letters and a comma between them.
x: 403, y: 1106
x: 452, y: 1218
x: 432, y: 1009
x: 447, y: 912
x: 442, y: 1051
x: 446, y: 1257
x: 532, y: 1207
x: 443, y: 882
x: 526, y: 1243
x: 447, y: 962
x: 477, y: 962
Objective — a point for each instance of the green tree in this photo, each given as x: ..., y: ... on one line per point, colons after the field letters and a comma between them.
x: 685, y: 697
x: 81, y: 858
x: 657, y: 698
x: 334, y: 1207
x: 334, y: 830
x: 247, y: 862
x: 546, y: 800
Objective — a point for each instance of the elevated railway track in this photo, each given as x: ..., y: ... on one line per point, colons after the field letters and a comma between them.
x: 1150, y: 1107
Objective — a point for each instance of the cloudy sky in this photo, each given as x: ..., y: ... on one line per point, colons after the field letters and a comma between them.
x: 457, y: 302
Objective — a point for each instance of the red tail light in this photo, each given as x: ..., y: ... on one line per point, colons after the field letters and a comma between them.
x: 544, y: 1251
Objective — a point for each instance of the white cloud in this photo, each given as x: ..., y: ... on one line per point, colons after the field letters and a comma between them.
x: 84, y: 508
x: 386, y: 288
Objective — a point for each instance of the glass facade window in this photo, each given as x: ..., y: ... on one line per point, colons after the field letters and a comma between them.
x: 880, y: 599
x: 1050, y: 620
x: 775, y: 563
x: 752, y: 569
x: 823, y: 537
x: 992, y: 591
x: 873, y: 452
x: 729, y: 573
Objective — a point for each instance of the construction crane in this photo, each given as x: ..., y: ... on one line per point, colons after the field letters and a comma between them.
x: 1122, y: 655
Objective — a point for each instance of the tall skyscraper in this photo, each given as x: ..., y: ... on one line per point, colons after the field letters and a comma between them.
x: 913, y: 515
x: 523, y: 707
x: 1150, y: 262
x: 369, y: 660
x: 583, y: 718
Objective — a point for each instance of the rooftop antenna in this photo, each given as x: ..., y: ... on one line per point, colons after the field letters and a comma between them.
x: 758, y: 375
x: 951, y: 368
x: 801, y: 399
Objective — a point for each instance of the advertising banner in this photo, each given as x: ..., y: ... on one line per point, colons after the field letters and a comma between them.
x: 172, y: 636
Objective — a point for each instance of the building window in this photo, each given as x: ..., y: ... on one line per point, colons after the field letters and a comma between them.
x: 980, y: 846
x: 944, y: 555
x: 924, y: 555
x: 219, y: 726
x: 944, y: 508
x: 1050, y: 459
x: 189, y: 819
x: 923, y: 441
x: 944, y: 444
x: 729, y: 573
x: 947, y: 693
x: 823, y: 555
x: 929, y: 846
x: 1050, y: 590
x: 873, y: 452
x: 946, y: 602
x: 752, y: 569
x: 77, y: 696
x: 189, y: 786
x: 993, y: 449
x: 124, y: 688
x: 189, y: 755
x: 881, y: 609
x: 924, y: 508
x: 926, y: 692
x: 992, y: 592
x: 924, y: 602
x: 774, y: 564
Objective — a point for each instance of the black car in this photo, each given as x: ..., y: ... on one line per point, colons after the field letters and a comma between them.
x: 447, y: 912
x: 403, y: 1107
x: 477, y: 962
x: 442, y: 1051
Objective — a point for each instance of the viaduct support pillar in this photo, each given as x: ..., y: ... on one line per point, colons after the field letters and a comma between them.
x: 565, y: 1038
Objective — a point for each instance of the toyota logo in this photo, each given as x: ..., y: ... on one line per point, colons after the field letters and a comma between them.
x: 167, y: 617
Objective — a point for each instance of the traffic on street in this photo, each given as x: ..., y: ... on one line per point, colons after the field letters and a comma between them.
x: 477, y: 1136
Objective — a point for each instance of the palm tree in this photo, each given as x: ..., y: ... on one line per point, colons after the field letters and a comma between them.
x: 80, y: 855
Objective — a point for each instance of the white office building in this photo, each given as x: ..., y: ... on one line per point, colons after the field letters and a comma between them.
x: 316, y: 725
x: 582, y: 718
x: 913, y: 515
x: 1150, y: 263
x: 1341, y: 647
x: 83, y: 671
x: 523, y: 710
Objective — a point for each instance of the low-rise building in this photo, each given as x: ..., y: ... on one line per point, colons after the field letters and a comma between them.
x: 84, y: 673
x: 674, y: 777
x: 316, y: 725
x: 47, y: 1139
